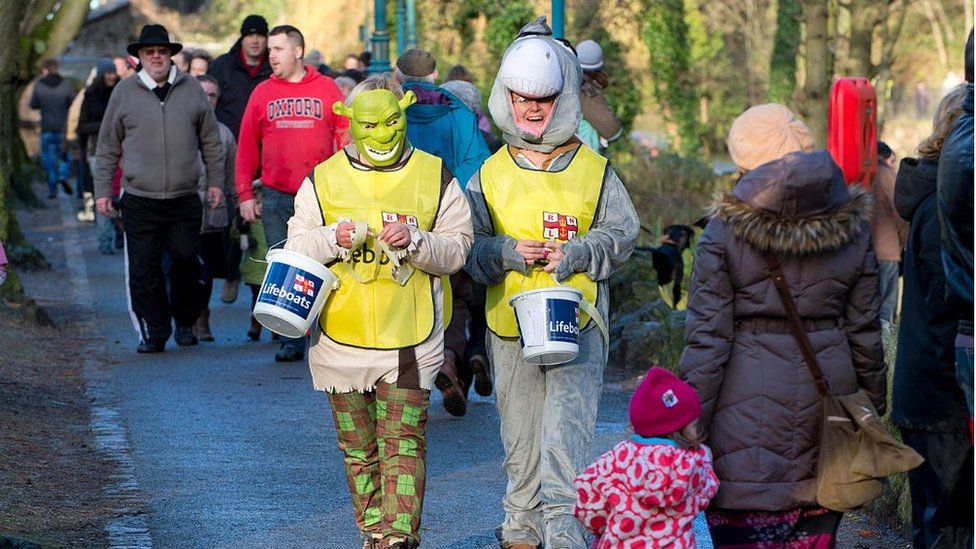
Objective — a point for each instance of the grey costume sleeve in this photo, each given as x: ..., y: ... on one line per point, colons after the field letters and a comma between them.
x: 211, y: 146
x: 609, y: 241
x: 491, y: 255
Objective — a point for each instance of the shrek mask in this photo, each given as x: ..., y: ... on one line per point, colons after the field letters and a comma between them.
x: 378, y: 124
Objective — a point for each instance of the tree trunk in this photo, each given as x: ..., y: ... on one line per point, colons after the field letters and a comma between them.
x: 865, y: 18
x: 897, y: 12
x: 12, y: 291
x: 23, y: 35
x: 968, y: 10
x: 816, y: 86
x: 936, y: 33
x: 782, y: 66
x: 63, y: 28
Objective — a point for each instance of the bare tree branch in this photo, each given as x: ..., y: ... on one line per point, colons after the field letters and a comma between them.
x: 936, y: 32
x: 67, y: 20
x: 36, y: 14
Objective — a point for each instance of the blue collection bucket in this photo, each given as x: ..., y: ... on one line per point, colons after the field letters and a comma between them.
x: 294, y: 290
x: 548, y: 322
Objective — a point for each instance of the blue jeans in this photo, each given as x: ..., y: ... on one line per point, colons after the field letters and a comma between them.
x: 276, y: 209
x: 106, y: 233
x: 964, y: 369
x: 56, y: 166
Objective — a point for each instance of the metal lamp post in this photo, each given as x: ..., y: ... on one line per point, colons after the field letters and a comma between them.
x: 558, y: 18
x: 380, y: 61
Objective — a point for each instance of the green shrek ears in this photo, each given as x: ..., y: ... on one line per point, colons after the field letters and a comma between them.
x: 378, y: 124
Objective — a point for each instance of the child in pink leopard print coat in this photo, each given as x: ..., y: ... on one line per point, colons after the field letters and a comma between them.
x: 647, y: 491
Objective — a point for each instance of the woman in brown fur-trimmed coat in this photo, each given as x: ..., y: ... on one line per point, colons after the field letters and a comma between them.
x: 759, y: 404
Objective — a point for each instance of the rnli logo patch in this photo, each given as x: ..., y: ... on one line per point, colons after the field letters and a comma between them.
x: 556, y: 226
x: 304, y: 285
x: 392, y: 217
x: 669, y: 399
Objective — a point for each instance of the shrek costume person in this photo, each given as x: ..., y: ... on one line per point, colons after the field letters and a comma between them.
x: 545, y: 209
x: 389, y: 220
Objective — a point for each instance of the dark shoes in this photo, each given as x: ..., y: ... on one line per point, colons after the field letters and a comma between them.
x: 150, y: 346
x: 289, y: 354
x: 184, y: 336
x: 202, y: 327
x: 447, y: 382
x: 66, y: 186
x: 482, y: 377
x: 254, y: 332
x: 229, y: 292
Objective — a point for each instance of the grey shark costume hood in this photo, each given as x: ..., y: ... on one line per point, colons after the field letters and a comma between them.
x: 538, y: 65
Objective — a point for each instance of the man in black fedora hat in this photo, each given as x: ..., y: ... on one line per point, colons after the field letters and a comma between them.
x: 238, y: 72
x: 162, y: 120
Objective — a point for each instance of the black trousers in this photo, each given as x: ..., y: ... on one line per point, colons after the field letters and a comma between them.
x: 152, y: 226
x: 941, y: 489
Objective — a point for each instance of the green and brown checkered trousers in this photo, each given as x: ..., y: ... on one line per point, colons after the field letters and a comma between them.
x: 383, y: 436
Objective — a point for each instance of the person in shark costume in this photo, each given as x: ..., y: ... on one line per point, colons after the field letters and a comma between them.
x: 545, y: 209
x: 390, y: 221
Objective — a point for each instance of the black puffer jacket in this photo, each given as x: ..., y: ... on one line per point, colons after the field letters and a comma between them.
x: 92, y: 111
x: 956, y: 214
x: 236, y: 85
x: 926, y: 395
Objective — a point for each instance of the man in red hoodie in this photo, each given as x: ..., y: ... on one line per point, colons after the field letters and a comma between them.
x: 288, y: 128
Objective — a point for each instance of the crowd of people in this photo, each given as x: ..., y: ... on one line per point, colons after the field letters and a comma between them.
x: 199, y: 166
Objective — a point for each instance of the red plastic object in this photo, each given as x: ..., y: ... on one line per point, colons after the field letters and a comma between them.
x: 852, y: 130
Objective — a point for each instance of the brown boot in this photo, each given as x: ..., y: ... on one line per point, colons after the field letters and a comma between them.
x: 482, y: 376
x: 254, y: 332
x: 202, y: 326
x: 447, y: 382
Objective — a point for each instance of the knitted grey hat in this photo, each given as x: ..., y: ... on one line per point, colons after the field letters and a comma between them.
x: 590, y: 55
x: 417, y: 63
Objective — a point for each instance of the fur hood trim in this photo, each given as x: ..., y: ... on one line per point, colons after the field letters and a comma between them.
x: 799, y: 236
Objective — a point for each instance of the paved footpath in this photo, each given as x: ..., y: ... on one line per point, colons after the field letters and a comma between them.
x: 230, y: 449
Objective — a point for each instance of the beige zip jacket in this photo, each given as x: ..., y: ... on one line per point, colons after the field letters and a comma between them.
x: 443, y: 251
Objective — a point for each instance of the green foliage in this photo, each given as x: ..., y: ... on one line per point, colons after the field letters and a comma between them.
x: 504, y: 21
x: 782, y: 67
x: 666, y: 189
x: 666, y: 36
x: 224, y: 17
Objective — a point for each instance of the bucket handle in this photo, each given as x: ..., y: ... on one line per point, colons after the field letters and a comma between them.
x: 271, y: 247
x: 590, y: 309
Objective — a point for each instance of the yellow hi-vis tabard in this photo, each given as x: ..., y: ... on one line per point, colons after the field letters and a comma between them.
x: 539, y: 205
x: 370, y: 309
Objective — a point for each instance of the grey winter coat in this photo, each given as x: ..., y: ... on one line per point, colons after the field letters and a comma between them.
x: 161, y: 140
x: 759, y: 405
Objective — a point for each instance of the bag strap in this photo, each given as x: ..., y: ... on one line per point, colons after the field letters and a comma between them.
x: 796, y: 324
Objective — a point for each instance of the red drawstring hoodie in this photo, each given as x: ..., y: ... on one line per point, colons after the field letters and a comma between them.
x: 288, y: 128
